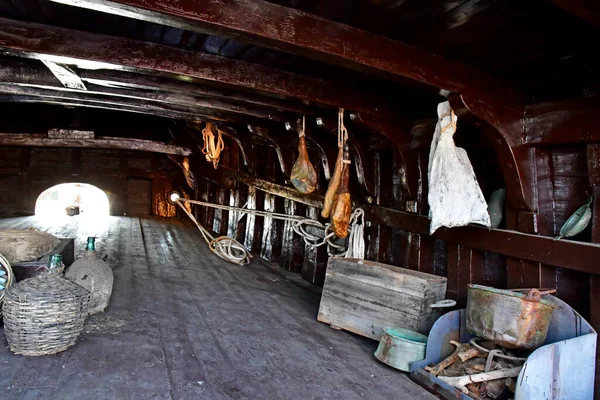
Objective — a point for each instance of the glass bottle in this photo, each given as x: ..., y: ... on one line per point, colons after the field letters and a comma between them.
x: 55, y: 262
x: 91, y: 244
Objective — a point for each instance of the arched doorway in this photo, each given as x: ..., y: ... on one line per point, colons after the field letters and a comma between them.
x: 72, y: 199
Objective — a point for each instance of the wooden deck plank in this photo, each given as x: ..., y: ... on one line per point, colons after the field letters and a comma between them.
x: 184, y: 324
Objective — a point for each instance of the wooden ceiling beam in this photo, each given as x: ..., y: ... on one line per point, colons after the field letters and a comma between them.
x: 147, y: 105
x: 41, y: 140
x: 587, y: 10
x: 39, y: 81
x: 297, y: 32
x: 31, y: 72
x: 94, y: 51
x: 114, y: 106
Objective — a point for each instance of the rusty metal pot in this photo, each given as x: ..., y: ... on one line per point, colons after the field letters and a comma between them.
x: 515, y: 319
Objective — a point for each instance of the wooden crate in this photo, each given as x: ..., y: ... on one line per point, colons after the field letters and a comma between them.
x: 364, y: 297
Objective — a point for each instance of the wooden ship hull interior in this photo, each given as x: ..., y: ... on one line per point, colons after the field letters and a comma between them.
x: 126, y: 95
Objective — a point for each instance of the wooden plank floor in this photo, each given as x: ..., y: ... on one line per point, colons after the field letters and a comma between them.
x: 182, y: 324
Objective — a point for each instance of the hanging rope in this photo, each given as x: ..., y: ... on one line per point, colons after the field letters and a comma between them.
x: 231, y: 250
x: 212, y: 150
x: 342, y: 134
x: 302, y: 133
x: 356, y: 237
x: 342, y: 131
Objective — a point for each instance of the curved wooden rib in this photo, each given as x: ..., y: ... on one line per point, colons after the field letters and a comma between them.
x: 504, y: 128
x: 282, y: 147
x: 398, y: 132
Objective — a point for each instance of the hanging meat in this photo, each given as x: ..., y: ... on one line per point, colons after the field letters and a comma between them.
x: 334, y: 182
x: 342, y: 202
x: 303, y: 176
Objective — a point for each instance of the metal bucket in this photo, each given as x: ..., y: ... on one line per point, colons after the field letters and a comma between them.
x: 398, y: 348
x: 515, y: 319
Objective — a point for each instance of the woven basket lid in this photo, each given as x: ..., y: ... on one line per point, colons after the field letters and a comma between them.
x: 89, y: 266
x: 44, y: 286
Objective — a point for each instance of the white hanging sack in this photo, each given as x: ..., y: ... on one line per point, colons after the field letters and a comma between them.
x: 455, y: 198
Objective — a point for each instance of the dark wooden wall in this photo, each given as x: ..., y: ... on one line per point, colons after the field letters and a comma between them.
x: 26, y: 172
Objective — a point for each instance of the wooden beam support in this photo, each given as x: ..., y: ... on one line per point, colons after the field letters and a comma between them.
x: 283, y: 146
x: 398, y: 132
x: 41, y: 140
x: 579, y: 256
x: 298, y: 32
x: 93, y: 51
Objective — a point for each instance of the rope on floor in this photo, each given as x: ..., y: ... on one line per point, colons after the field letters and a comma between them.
x: 225, y: 247
x: 233, y: 251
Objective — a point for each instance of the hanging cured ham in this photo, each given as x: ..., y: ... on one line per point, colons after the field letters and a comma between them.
x: 342, y: 202
x: 334, y: 182
x: 303, y: 175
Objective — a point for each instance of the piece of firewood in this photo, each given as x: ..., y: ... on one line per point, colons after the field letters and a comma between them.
x: 460, y: 348
x: 468, y: 354
x: 473, y: 391
x: 461, y: 382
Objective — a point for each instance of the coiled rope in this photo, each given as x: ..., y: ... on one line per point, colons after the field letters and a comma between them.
x: 212, y: 150
x: 233, y: 251
x: 225, y: 247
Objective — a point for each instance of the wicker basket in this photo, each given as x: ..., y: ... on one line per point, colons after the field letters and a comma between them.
x: 44, y: 315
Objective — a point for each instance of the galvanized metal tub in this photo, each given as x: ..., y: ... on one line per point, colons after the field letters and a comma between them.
x: 508, y: 318
x: 562, y: 369
x: 399, y: 348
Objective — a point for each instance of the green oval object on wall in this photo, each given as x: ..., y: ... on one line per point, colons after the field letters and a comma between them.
x: 578, y: 221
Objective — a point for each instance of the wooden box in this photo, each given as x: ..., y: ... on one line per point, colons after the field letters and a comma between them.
x: 365, y: 297
x: 29, y: 269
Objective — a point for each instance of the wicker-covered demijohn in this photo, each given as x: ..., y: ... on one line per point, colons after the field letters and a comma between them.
x: 44, y: 315
x: 94, y: 274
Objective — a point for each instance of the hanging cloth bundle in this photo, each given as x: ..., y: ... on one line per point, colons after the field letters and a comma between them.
x: 212, y: 150
x: 455, y: 198
x: 303, y: 175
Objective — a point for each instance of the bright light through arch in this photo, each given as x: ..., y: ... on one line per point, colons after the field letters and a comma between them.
x: 87, y: 199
